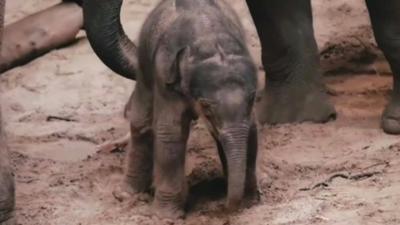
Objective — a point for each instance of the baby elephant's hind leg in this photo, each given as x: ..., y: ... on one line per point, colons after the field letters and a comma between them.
x: 139, y: 161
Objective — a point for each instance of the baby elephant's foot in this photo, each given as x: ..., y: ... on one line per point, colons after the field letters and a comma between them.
x: 128, y: 189
x: 391, y: 117
x: 169, y: 211
x: 123, y: 192
x: 168, y: 205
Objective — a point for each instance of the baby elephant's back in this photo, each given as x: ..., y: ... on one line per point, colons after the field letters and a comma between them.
x: 216, y: 9
x: 178, y: 23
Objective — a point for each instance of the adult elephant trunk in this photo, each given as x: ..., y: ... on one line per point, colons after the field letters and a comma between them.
x: 107, y: 37
x: 234, y: 142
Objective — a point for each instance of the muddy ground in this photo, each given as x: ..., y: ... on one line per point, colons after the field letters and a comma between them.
x: 344, y: 172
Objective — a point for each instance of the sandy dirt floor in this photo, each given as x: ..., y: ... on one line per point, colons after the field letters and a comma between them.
x: 345, y: 172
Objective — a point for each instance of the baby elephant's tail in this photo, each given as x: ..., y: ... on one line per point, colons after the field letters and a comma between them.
x: 107, y: 37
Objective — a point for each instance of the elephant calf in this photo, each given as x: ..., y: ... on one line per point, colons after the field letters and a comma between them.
x: 191, y: 61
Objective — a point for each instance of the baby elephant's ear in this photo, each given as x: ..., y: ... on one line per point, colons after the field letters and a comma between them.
x: 174, y: 77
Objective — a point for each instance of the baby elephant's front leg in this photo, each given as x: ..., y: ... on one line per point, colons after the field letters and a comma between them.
x: 171, y: 134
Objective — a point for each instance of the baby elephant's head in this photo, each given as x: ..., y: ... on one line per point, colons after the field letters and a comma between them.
x: 223, y: 96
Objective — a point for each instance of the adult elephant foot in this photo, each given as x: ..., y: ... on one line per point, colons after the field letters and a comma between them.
x: 294, y: 102
x: 391, y: 117
x: 11, y: 221
x: 7, y: 188
x: 7, y: 191
x: 294, y: 91
x: 7, y: 201
x: 385, y: 20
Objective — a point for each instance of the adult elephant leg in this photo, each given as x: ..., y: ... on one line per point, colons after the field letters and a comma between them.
x: 385, y: 18
x: 294, y: 91
x: 7, y: 191
x: 7, y: 201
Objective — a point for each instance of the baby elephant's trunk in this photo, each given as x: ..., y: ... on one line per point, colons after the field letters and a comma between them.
x: 234, y: 140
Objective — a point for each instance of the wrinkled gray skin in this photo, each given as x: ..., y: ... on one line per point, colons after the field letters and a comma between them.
x: 7, y: 191
x: 7, y: 201
x: 294, y: 89
x: 191, y: 61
